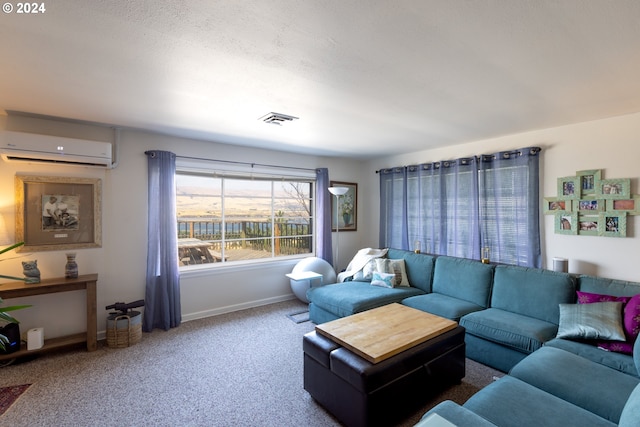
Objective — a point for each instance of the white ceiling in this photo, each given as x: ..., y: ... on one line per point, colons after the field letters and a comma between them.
x: 366, y: 78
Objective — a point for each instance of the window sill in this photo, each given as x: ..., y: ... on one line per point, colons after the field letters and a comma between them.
x: 204, y: 270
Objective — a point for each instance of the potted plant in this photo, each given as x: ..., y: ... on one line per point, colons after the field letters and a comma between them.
x: 10, y: 332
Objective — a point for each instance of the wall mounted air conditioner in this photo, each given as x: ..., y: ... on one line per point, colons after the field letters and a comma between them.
x: 29, y: 147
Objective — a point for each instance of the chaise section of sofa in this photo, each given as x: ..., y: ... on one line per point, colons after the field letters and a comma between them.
x: 589, y: 385
x: 338, y: 300
x: 460, y: 286
x: 523, y: 314
x: 513, y: 402
x: 510, y: 402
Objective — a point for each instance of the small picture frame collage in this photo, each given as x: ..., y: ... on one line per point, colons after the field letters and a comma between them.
x: 587, y: 205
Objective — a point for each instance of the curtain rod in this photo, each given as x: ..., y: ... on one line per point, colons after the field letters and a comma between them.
x: 245, y: 163
x: 532, y: 151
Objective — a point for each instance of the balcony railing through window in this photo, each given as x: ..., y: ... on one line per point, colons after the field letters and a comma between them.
x: 203, y: 241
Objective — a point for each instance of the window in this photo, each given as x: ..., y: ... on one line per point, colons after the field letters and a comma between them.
x: 457, y: 207
x: 226, y: 217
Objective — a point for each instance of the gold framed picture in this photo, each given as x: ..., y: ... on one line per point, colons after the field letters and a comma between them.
x: 58, y: 213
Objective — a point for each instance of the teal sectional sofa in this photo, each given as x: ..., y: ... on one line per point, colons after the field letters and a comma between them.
x: 508, y: 311
x: 512, y: 316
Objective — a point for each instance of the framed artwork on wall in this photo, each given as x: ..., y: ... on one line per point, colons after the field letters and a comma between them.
x: 554, y: 204
x: 347, y: 211
x: 587, y: 206
x: 568, y: 188
x: 58, y: 213
x: 631, y: 205
x: 588, y: 224
x: 589, y: 180
x: 566, y: 223
x: 612, y: 224
x: 614, y: 188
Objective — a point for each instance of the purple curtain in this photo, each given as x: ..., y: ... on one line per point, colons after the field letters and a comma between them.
x: 443, y: 207
x: 509, y: 208
x: 162, y: 294
x: 323, y: 212
x: 457, y: 207
x: 393, y: 208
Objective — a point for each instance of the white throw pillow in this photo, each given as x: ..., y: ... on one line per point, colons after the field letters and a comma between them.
x: 395, y: 266
x: 386, y: 280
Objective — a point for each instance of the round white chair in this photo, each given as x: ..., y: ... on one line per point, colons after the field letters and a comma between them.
x: 317, y: 265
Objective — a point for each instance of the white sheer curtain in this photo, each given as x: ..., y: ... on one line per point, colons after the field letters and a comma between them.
x: 162, y: 296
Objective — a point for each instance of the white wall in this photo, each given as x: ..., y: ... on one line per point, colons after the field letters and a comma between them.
x: 611, y: 145
x: 121, y: 261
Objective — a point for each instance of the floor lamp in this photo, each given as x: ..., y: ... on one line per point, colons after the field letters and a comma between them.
x: 337, y: 191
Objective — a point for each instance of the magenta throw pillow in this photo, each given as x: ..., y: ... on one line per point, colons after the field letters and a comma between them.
x: 589, y: 298
x: 631, y: 319
x: 617, y: 346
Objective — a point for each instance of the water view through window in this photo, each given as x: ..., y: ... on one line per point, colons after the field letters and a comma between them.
x: 227, y: 219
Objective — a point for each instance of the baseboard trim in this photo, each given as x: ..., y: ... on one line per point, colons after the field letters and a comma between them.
x: 236, y: 307
x: 102, y: 335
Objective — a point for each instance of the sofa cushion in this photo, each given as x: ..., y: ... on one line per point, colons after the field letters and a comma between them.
x: 629, y: 417
x: 532, y: 292
x: 345, y: 299
x: 600, y: 320
x: 465, y: 279
x: 584, y: 383
x: 512, y: 402
x: 419, y: 267
x: 602, y: 285
x: 588, y: 350
x: 523, y: 333
x: 442, y: 305
x: 457, y: 415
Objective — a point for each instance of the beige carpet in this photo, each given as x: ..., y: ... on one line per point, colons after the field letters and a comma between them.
x: 237, y: 369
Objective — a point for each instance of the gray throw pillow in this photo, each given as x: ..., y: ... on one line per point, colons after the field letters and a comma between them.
x: 601, y: 320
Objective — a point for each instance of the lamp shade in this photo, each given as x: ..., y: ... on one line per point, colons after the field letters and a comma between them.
x: 338, y: 191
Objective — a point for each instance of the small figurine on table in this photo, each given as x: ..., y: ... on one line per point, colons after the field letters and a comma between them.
x: 30, y: 271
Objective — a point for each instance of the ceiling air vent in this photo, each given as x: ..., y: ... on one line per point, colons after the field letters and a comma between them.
x: 277, y: 118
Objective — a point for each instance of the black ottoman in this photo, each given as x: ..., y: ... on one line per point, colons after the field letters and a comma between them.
x: 360, y: 393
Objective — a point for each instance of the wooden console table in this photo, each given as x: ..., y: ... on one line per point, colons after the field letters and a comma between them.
x: 52, y: 286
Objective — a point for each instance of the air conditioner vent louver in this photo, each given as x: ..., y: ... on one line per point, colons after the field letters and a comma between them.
x: 277, y: 118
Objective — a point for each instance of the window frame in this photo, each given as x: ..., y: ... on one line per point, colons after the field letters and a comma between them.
x: 240, y: 171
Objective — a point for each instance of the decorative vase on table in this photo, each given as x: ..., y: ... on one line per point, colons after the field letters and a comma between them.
x: 71, y: 267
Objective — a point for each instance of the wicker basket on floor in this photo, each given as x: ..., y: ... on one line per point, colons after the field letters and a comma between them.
x: 124, y: 330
